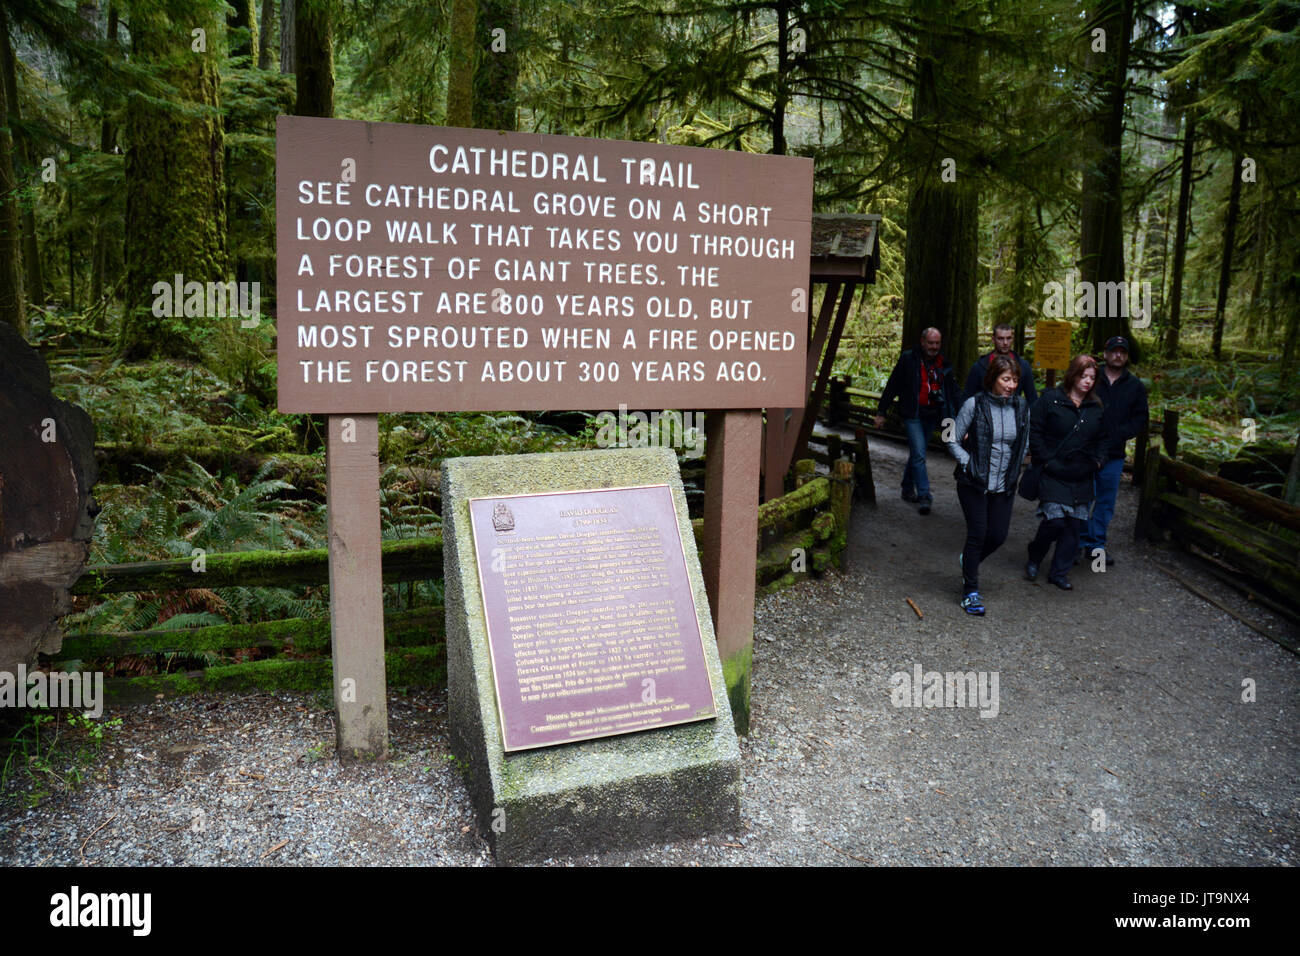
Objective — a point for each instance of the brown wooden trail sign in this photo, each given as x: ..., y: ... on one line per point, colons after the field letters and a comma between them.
x: 436, y: 269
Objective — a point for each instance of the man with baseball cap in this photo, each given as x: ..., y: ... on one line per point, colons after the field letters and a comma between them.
x: 1124, y: 399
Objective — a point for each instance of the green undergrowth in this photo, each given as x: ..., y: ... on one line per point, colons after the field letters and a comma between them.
x: 47, y: 753
x: 1241, y: 407
x: 1217, y: 401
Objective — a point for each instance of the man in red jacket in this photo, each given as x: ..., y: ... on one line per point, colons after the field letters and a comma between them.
x: 922, y: 381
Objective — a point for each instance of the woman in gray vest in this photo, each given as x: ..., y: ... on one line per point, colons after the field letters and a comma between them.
x: 990, y: 439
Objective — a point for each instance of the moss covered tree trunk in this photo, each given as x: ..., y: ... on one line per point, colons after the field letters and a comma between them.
x: 1101, y: 235
x: 461, y: 59
x: 24, y: 166
x: 243, y: 16
x: 265, y: 48
x: 1261, y: 253
x: 13, y: 309
x: 496, y: 81
x: 1173, y: 329
x: 107, y: 140
x: 940, y: 276
x: 288, y: 34
x: 176, y: 192
x: 1225, y: 262
x: 314, y: 52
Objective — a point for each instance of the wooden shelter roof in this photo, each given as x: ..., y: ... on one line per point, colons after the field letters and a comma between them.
x: 844, y: 247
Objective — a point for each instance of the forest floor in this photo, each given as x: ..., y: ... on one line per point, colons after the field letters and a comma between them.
x: 1121, y: 735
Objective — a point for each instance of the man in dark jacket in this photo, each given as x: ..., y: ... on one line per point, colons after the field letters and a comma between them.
x: 1004, y: 336
x: 923, y: 383
x: 1125, y: 400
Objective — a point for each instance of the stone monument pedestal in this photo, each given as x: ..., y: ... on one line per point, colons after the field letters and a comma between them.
x: 656, y: 785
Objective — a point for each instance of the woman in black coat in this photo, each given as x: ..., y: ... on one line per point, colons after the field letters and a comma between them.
x: 1066, y: 438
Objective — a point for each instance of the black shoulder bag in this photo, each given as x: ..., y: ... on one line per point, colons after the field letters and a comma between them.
x: 1033, y: 475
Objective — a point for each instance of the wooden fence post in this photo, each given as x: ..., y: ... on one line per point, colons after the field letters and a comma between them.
x: 1140, y: 456
x: 805, y: 470
x: 1143, y: 526
x: 356, y: 586
x: 836, y: 413
x: 863, y: 483
x: 1169, y: 433
x: 842, y: 506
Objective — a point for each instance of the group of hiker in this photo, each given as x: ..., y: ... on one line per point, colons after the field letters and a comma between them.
x: 1074, y: 434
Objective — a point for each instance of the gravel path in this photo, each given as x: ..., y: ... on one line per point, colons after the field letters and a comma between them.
x: 1121, y: 735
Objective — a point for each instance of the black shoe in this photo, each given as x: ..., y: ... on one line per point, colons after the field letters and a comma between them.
x: 910, y: 497
x: 1031, y: 570
x: 1062, y: 583
x: 924, y: 507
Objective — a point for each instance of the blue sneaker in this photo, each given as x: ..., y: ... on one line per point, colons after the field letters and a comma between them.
x: 972, y: 603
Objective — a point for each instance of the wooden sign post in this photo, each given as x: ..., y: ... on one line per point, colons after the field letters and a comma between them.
x: 734, y: 439
x: 356, y: 595
x: 1052, y: 347
x: 431, y: 269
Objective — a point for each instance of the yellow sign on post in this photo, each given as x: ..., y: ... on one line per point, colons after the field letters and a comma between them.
x: 1052, y: 344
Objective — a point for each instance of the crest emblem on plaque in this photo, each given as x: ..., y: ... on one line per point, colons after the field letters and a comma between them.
x: 503, y: 519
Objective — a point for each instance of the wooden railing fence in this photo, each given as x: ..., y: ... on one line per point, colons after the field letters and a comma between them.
x: 800, y: 534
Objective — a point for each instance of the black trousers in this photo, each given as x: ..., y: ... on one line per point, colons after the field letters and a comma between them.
x: 988, y: 517
x: 1065, y: 532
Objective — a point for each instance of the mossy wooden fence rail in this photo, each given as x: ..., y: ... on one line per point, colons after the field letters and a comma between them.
x: 1251, y: 540
x: 801, y: 533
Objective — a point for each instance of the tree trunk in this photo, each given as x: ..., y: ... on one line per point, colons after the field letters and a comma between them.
x: 288, y: 33
x: 1261, y: 255
x: 1101, y: 252
x: 24, y: 166
x: 1174, y: 327
x: 1225, y: 264
x: 460, y: 63
x: 175, y: 182
x: 782, y: 68
x: 1273, y: 291
x: 99, y: 257
x: 1289, y: 345
x: 496, y: 81
x: 47, y: 472
x: 941, y: 267
x: 1164, y: 245
x: 243, y: 17
x: 264, y: 34
x: 314, y: 50
x: 1291, y: 491
x: 13, y: 307
x: 1023, y: 290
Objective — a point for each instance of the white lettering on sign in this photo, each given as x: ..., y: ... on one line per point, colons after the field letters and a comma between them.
x: 449, y: 269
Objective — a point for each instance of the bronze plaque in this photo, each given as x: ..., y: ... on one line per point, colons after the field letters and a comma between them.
x: 591, y: 618
x: 424, y: 268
